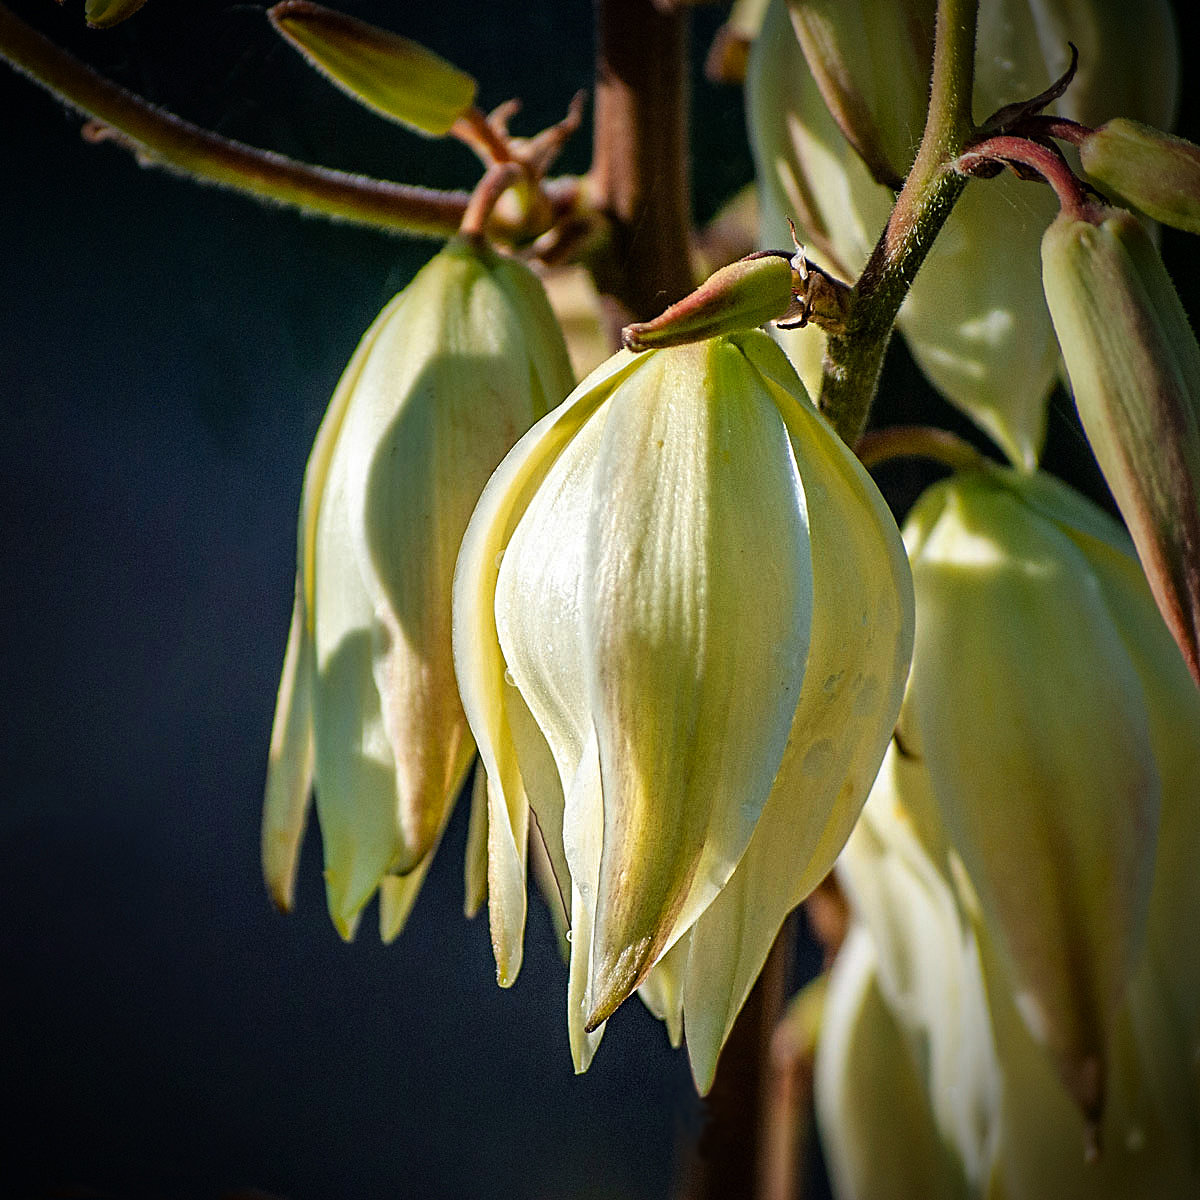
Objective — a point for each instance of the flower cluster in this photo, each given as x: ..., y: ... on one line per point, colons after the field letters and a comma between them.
x: 1018, y: 879
x: 676, y: 619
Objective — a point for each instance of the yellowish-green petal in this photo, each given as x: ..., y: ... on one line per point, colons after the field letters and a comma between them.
x: 662, y: 990
x: 357, y: 802
x: 475, y: 857
x: 928, y: 963
x: 397, y: 895
x: 861, y: 640
x: 479, y: 661
x: 454, y: 354
x: 697, y: 619
x: 1043, y: 764
x: 583, y: 833
x: 289, y: 763
x: 879, y: 1136
x: 101, y: 14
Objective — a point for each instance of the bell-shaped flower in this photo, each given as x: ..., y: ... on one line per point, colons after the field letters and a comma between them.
x: 1034, y: 693
x: 449, y: 376
x: 975, y: 319
x: 682, y: 625
x: 925, y: 1014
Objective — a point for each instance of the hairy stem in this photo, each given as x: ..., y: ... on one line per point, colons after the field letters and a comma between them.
x: 854, y: 358
x: 162, y: 139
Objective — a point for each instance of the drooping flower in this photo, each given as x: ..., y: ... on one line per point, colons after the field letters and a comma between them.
x: 445, y: 381
x: 1039, y: 703
x: 682, y: 624
x: 923, y: 1044
x: 879, y: 1133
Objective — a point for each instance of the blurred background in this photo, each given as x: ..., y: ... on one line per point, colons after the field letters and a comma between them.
x: 166, y: 353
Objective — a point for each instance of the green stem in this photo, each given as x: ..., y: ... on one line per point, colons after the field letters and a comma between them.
x: 854, y: 358
x: 165, y: 140
x: 919, y: 441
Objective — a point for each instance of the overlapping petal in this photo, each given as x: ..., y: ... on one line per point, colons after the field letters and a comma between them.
x: 861, y: 640
x: 1046, y: 780
x: 441, y: 386
x: 635, y: 601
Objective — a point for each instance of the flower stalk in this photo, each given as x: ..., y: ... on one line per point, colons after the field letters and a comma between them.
x: 854, y: 358
x: 160, y: 138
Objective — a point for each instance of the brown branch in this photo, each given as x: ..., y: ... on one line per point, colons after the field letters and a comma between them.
x: 639, y: 174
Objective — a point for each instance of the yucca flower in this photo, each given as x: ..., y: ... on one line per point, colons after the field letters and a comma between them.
x: 448, y: 377
x: 1060, y: 737
x: 682, y: 625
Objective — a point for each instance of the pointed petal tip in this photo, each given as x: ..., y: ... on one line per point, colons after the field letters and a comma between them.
x: 1087, y: 1086
x: 346, y: 926
x: 508, y: 967
x: 345, y: 916
x: 616, y: 977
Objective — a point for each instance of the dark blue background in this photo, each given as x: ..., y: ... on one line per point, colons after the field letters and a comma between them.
x: 166, y: 352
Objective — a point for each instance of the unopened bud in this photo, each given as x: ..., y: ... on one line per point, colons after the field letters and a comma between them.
x: 1154, y: 171
x: 101, y: 14
x: 1135, y: 369
x: 743, y: 295
x: 398, y: 78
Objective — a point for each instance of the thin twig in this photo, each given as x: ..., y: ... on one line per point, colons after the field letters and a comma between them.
x: 160, y: 138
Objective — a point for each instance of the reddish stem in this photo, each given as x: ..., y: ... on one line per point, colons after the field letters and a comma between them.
x: 1045, y: 161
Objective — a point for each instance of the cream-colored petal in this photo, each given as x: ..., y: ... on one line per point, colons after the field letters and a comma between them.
x: 662, y: 990
x: 1173, y: 707
x: 853, y: 683
x: 397, y: 895
x: 880, y: 1139
x: 583, y: 836
x: 1042, y: 763
x: 1043, y: 1143
x: 475, y: 857
x: 443, y: 397
x: 316, y: 476
x: 538, y: 621
x: 583, y: 1041
x: 696, y: 620
x: 928, y: 964
x: 976, y: 321
x: 321, y: 456
x: 355, y: 772
x: 551, y: 375
x: 479, y: 662
x: 289, y: 763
